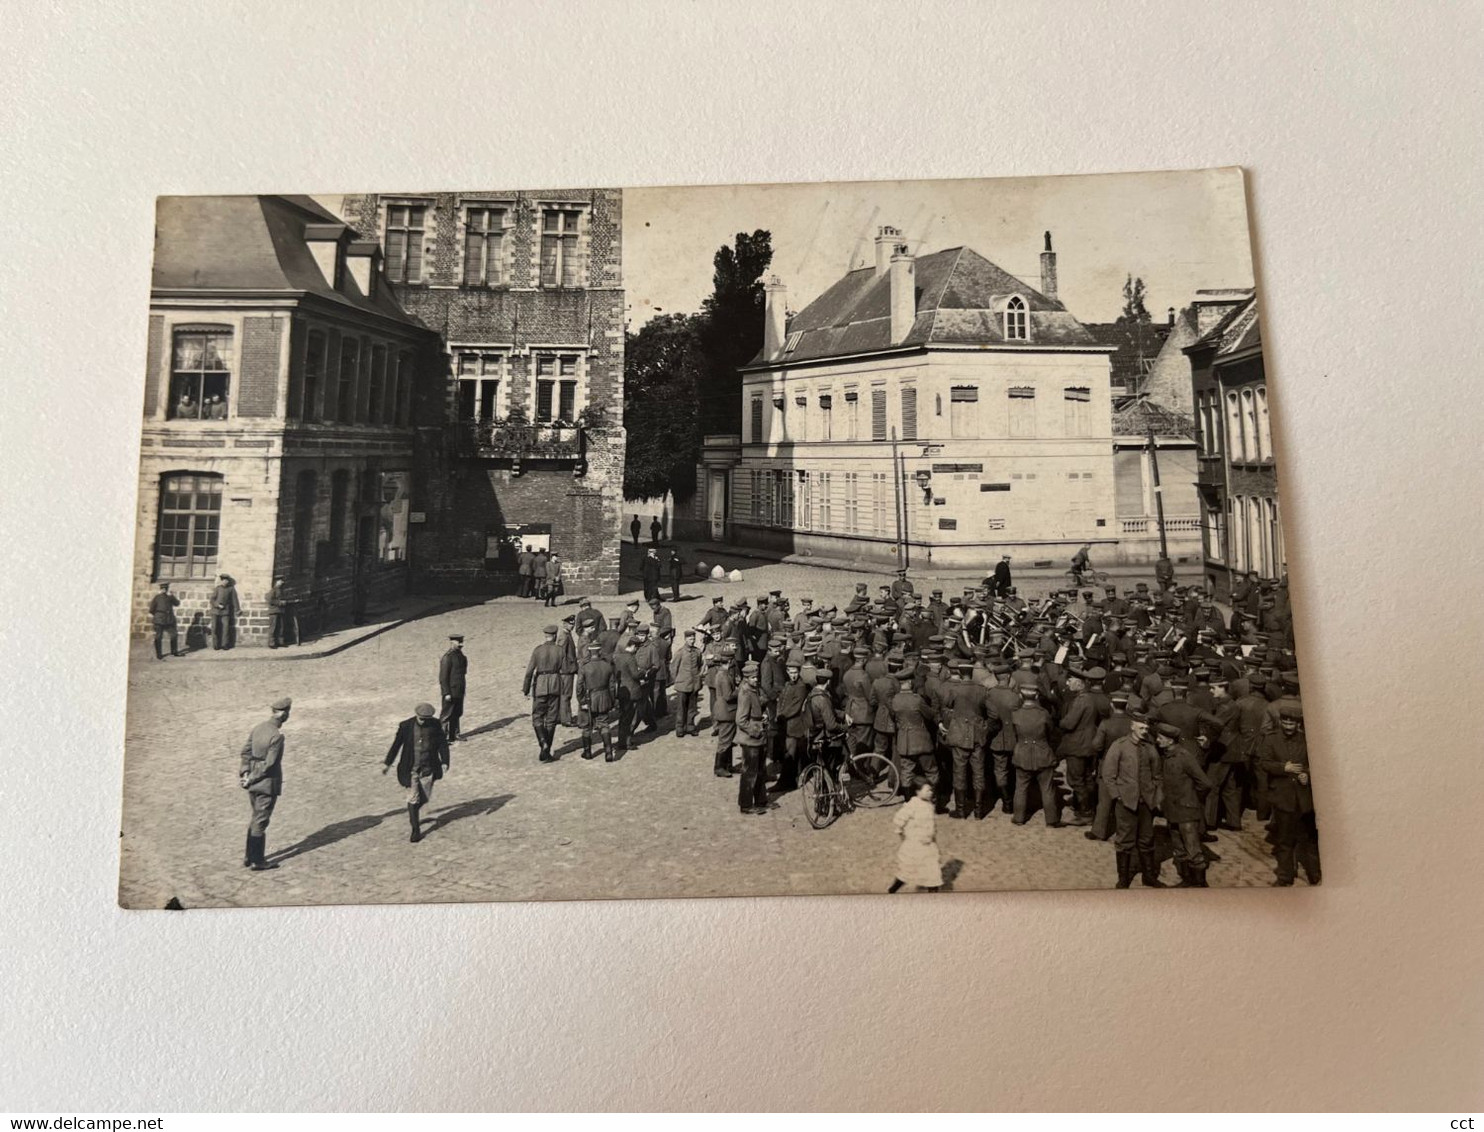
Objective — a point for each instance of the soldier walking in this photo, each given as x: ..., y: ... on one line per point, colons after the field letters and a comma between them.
x: 597, y: 702
x: 261, y: 776
x: 543, y: 683
x: 452, y: 671
x: 420, y: 750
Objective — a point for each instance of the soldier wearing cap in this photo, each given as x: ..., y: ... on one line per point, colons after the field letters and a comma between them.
x: 661, y: 619
x: 587, y: 615
x: 162, y: 618
x: 686, y: 676
x: 453, y: 670
x: 420, y: 750
x: 1002, y: 701
x: 543, y: 683
x: 630, y: 688
x: 646, y: 656
x: 912, y: 721
x: 964, y: 723
x: 855, y: 692
x: 825, y: 728
x: 1115, y: 726
x: 261, y: 775
x: 1132, y: 772
x: 792, y: 722
x: 1034, y: 760
x: 715, y: 617
x: 597, y: 702
x: 1284, y: 759
x: 1089, y: 706
x: 752, y: 733
x: 1185, y: 785
x: 724, y: 711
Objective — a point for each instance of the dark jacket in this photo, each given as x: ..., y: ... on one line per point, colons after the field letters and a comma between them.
x: 912, y: 719
x: 965, y: 712
x: 224, y: 600
x: 1185, y: 783
x: 790, y: 709
x: 162, y: 610
x: 589, y: 616
x: 544, y: 672
x: 1032, y: 726
x: 262, y: 759
x: 626, y: 669
x: 1285, y: 791
x: 451, y: 671
x: 725, y: 687
x: 1080, y: 724
x: 432, y: 759
x: 597, y: 685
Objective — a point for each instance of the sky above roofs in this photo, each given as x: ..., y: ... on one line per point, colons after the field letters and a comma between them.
x: 1179, y: 231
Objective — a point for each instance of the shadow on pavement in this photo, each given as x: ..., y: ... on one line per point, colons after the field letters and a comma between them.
x: 475, y: 807
x: 493, y: 725
x: 951, y: 870
x: 336, y: 831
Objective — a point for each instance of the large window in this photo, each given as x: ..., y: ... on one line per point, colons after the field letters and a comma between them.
x: 400, y: 388
x: 1078, y: 401
x: 561, y: 247
x: 556, y: 388
x: 963, y: 410
x: 1015, y: 319
x: 826, y: 412
x: 350, y: 372
x: 200, y: 375
x: 314, y: 374
x: 484, y: 241
x: 826, y: 504
x: 1264, y: 426
x: 190, y: 525
x: 404, y: 242
x: 1233, y: 427
x: 852, y: 503
x: 1022, y: 411
x: 1250, y: 450
x: 479, y: 377
x: 883, y: 505
x: 306, y: 485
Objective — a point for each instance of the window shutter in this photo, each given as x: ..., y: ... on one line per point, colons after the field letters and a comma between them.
x: 909, y: 413
x: 878, y: 414
x: 757, y: 420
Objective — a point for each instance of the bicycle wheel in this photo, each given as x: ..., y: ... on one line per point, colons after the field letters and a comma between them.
x: 818, y: 794
x: 874, y: 780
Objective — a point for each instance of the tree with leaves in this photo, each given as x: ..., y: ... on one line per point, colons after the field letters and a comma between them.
x: 733, y: 331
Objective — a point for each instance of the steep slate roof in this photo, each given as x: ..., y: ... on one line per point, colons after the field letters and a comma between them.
x: 960, y: 300
x: 1134, y: 416
x: 250, y: 243
x: 1236, y: 332
x: 1124, y: 361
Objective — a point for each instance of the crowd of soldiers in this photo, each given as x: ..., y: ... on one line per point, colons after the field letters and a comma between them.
x: 1147, y: 701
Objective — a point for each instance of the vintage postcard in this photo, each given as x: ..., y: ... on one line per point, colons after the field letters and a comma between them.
x: 590, y: 543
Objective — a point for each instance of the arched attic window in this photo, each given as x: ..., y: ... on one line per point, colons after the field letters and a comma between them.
x: 1015, y: 320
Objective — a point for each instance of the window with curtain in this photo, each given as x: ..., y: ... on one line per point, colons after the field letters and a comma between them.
x: 479, y: 376
x: 561, y: 247
x: 556, y: 388
x: 403, y: 242
x: 484, y: 241
x: 200, y: 375
x: 189, y: 525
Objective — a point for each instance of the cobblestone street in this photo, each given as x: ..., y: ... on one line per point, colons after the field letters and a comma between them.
x: 503, y: 826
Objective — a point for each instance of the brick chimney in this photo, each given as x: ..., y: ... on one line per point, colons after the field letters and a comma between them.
x: 775, y: 317
x: 1172, y: 318
x: 1048, y: 270
x: 887, y: 239
x: 1214, y: 304
x: 903, y: 282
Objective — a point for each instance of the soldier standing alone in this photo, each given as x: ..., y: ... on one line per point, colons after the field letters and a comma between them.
x: 452, y: 670
x: 162, y: 617
x: 262, y: 777
x: 543, y: 683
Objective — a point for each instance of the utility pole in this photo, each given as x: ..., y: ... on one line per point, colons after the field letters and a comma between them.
x: 1159, y: 499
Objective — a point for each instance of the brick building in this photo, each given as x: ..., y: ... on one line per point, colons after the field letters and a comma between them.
x: 281, y: 387
x: 524, y: 291
x: 1238, y: 480
x: 937, y: 397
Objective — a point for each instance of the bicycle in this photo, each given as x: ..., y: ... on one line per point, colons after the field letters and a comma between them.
x: 871, y: 781
x: 1086, y: 577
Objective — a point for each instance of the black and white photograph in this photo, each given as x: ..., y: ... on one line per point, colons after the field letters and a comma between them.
x: 898, y: 537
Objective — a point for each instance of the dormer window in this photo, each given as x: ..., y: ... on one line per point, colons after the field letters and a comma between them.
x: 1015, y: 320
x: 793, y: 341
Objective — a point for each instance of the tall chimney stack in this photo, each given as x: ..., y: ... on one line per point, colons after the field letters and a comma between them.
x: 775, y: 317
x: 903, y: 284
x: 1172, y: 318
x: 1048, y: 270
x: 887, y: 239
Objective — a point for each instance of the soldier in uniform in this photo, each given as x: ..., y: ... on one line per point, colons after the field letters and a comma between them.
x: 685, y: 674
x: 646, y: 656
x: 660, y: 618
x: 587, y: 615
x: 1003, y: 701
x: 715, y: 617
x: 162, y: 617
x: 1002, y: 582
x: 261, y: 776
x: 543, y: 683
x: 1184, y: 787
x: 452, y: 671
x: 630, y: 688
x: 912, y: 721
x: 794, y: 724
x: 1034, y: 759
x: 597, y: 701
x: 277, y: 616
x: 752, y: 730
x: 1133, y: 775
x: 964, y: 714
x: 1079, y: 726
x: 855, y: 688
x: 224, y: 610
x: 1285, y: 760
x: 420, y: 751
x: 724, y: 713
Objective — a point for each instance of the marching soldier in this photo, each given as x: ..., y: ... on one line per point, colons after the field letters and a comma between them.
x: 452, y: 671
x: 262, y: 777
x: 543, y: 683
x: 597, y: 701
x: 420, y: 750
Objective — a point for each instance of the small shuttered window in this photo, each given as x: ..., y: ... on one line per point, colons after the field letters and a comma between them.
x: 878, y: 414
x: 757, y: 420
x: 909, y: 413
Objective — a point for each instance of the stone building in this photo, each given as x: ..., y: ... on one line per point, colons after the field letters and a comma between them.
x: 280, y: 391
x: 1238, y: 481
x: 936, y: 397
x: 524, y: 291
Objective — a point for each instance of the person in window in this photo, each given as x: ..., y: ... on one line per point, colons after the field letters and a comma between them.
x: 185, y: 408
x: 224, y: 610
x: 216, y: 409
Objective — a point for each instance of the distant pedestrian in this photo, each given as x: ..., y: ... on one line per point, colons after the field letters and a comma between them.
x: 651, y: 575
x: 453, y: 671
x: 677, y: 571
x: 656, y: 528
x: 224, y: 610
x: 525, y: 563
x: 553, y: 579
x: 420, y: 751
x: 277, y: 616
x: 634, y: 528
x: 916, y: 823
x: 162, y: 617
x: 1002, y: 582
x: 261, y: 775
x: 538, y: 573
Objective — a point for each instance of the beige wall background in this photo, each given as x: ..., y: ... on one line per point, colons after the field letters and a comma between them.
x: 1358, y: 125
